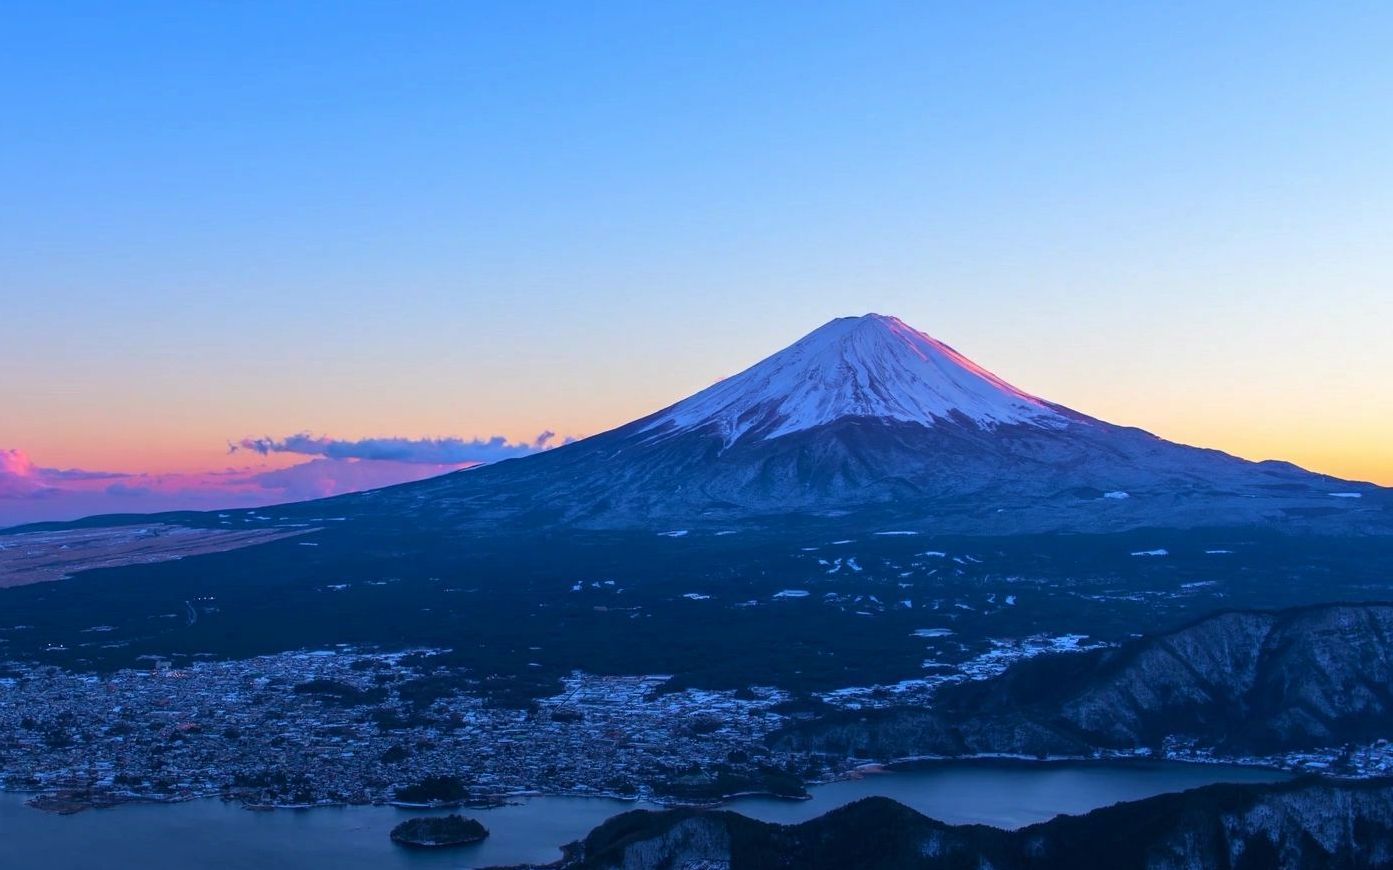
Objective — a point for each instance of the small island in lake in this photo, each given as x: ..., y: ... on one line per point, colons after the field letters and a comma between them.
x: 433, y: 832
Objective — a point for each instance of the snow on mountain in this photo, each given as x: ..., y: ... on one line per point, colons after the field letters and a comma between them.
x: 871, y: 366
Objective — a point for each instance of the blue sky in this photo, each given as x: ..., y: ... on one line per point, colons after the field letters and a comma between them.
x: 224, y: 219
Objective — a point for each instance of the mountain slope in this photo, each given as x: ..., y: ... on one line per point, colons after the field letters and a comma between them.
x: 1242, y: 682
x: 869, y: 419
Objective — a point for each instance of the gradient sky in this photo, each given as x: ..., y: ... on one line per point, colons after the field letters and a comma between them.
x: 221, y: 220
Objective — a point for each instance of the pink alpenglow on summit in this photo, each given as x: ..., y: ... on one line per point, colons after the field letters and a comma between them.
x: 872, y: 366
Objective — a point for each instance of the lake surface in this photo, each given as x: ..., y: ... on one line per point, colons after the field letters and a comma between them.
x: 1007, y: 794
x: 210, y: 833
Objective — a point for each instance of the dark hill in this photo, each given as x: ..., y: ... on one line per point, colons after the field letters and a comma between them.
x: 1301, y: 824
x: 1239, y: 682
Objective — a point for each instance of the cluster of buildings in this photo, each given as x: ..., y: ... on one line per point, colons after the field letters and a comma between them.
x: 333, y: 727
x: 1352, y: 762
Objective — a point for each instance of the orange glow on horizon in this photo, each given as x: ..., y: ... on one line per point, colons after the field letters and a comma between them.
x: 1340, y: 455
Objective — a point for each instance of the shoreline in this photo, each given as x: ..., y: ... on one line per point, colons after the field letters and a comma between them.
x: 60, y: 803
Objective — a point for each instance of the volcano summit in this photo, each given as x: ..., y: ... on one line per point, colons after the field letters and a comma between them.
x: 872, y: 367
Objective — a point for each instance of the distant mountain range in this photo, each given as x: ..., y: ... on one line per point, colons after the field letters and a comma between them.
x: 868, y: 419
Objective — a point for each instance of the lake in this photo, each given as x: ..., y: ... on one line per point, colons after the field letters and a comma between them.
x: 211, y: 833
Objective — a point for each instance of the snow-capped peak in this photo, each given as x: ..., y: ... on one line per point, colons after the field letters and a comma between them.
x: 872, y: 366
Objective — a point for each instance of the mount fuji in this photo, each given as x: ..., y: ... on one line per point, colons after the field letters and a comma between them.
x: 872, y: 367
x: 870, y: 421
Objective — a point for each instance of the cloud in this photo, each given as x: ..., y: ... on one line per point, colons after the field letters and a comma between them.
x: 65, y: 474
x: 427, y: 451
x: 20, y: 478
x: 29, y: 493
x: 126, y: 489
x: 17, y: 475
x: 324, y: 477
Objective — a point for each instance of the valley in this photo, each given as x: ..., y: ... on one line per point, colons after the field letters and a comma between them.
x: 568, y: 676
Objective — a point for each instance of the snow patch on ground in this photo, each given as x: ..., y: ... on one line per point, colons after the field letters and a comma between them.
x: 931, y: 632
x: 984, y: 666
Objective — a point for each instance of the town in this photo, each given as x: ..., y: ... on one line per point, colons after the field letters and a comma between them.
x: 339, y: 726
x: 346, y: 726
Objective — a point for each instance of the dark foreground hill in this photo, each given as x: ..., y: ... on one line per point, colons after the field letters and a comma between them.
x: 1301, y: 824
x: 1240, y: 683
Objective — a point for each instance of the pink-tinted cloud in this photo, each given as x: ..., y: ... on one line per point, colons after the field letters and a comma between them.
x: 17, y: 475
x: 32, y: 494
x: 26, y: 497
x: 21, y: 479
